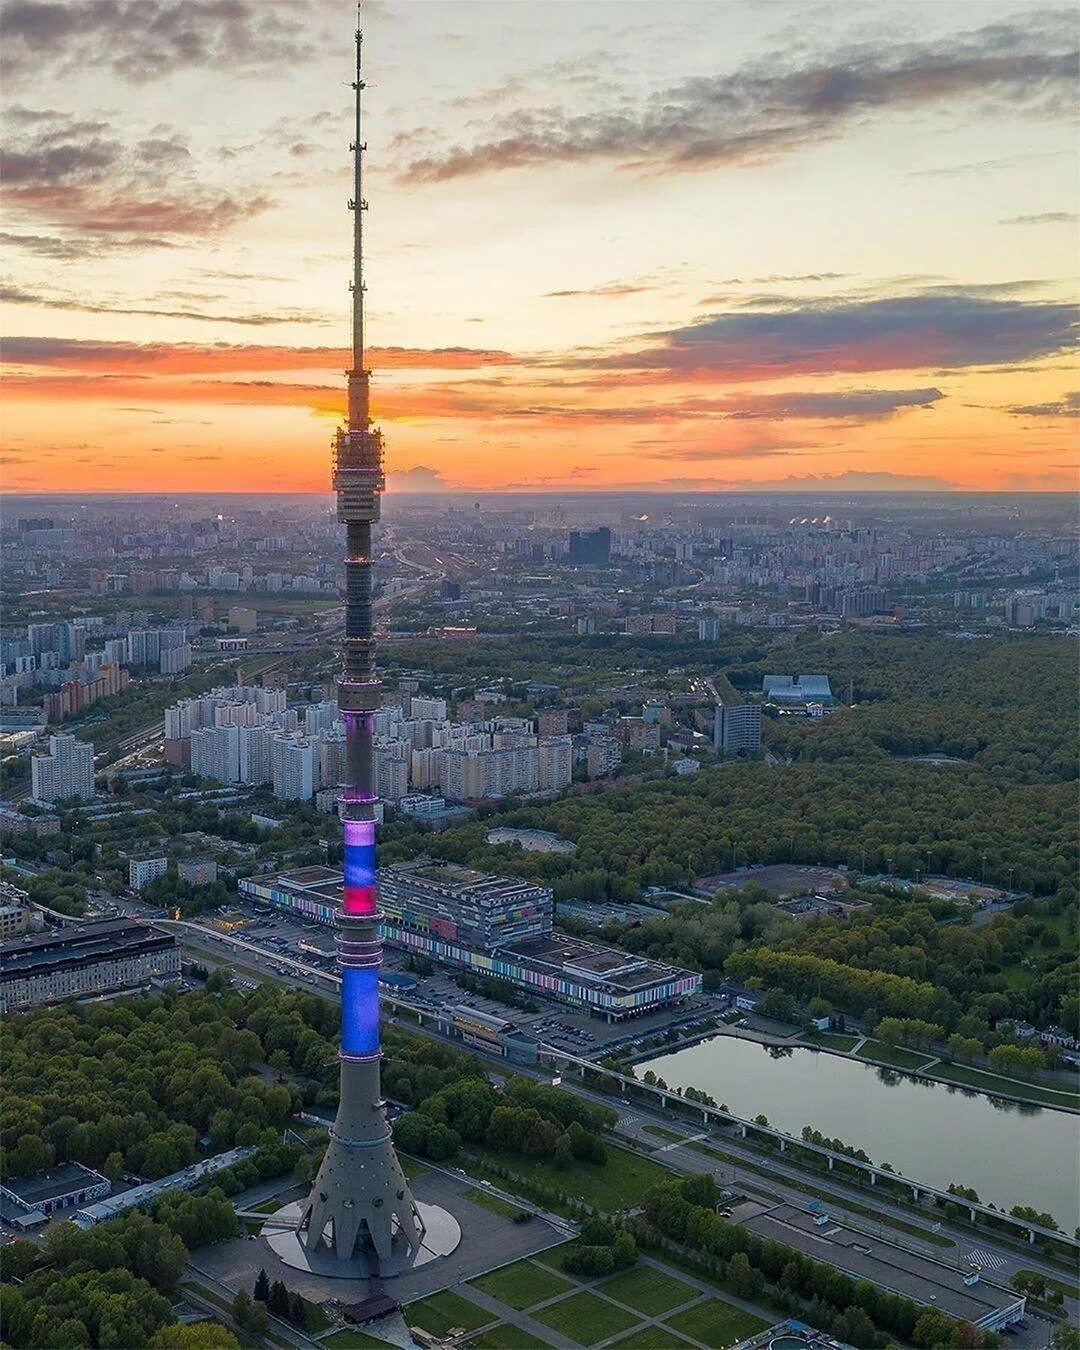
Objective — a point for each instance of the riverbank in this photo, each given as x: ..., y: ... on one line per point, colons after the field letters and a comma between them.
x: 864, y: 1050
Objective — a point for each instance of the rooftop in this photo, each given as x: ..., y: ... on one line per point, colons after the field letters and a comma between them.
x: 39, y: 1187
x: 601, y: 965
x: 74, y: 946
x: 864, y: 1257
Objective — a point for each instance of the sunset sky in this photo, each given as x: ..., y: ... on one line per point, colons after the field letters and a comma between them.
x: 612, y: 244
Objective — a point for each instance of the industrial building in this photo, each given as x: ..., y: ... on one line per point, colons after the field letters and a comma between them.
x: 185, y: 1180
x: 495, y: 926
x: 796, y: 689
x: 26, y: 1201
x: 95, y: 958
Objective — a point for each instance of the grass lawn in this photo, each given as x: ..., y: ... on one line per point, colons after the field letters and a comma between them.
x: 439, y: 1313
x: 1067, y: 1290
x: 649, y: 1290
x: 498, y: 1205
x: 219, y: 1299
x: 650, y: 1338
x: 834, y: 1040
x: 504, y: 1337
x: 717, y: 1324
x: 620, y: 1183
x: 989, y: 1082
x: 353, y: 1340
x: 661, y: 1133
x: 584, y: 1318
x: 411, y: 1167
x: 316, y: 1318
x: 522, y: 1284
x: 266, y: 1207
x: 895, y: 1055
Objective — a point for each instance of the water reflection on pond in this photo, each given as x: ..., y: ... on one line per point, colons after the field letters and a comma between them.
x: 1012, y: 1154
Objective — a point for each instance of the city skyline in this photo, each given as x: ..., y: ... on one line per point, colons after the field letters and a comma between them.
x: 707, y: 248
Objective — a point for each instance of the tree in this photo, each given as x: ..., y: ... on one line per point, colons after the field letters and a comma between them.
x: 298, y: 1314
x: 278, y: 1301
x: 197, y: 1336
x: 113, y: 1166
x: 932, y: 1331
x: 262, y: 1287
x: 280, y: 1063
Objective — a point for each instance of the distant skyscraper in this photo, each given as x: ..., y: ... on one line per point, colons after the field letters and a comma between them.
x: 66, y: 771
x: 360, y: 1202
x: 591, y: 548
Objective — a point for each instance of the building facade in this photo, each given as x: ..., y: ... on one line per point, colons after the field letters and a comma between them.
x: 92, y: 959
x: 66, y: 771
x: 737, y: 728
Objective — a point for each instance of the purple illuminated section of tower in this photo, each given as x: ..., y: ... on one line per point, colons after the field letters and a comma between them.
x: 360, y: 894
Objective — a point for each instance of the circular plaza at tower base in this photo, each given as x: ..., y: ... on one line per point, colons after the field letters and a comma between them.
x: 442, y: 1233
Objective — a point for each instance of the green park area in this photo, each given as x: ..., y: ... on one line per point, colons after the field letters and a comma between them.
x: 717, y: 1324
x: 584, y: 1318
x: 649, y: 1290
x: 444, y: 1312
x: 521, y: 1285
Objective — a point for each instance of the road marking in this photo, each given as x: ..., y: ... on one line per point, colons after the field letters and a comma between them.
x: 678, y: 1143
x: 982, y: 1258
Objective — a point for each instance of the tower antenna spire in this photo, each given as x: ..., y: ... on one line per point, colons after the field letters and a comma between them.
x: 359, y: 377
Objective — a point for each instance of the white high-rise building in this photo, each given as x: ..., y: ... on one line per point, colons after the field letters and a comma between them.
x: 292, y: 765
x: 174, y: 660
x: 555, y: 763
x: 392, y: 770
x: 215, y: 753
x: 254, y: 746
x: 474, y: 774
x: 66, y: 771
x: 427, y: 709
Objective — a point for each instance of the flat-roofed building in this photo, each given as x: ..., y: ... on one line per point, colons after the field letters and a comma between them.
x: 143, y: 870
x: 31, y: 1199
x: 94, y: 958
x: 434, y: 909
x: 796, y: 689
x: 960, y: 1290
x: 476, y: 908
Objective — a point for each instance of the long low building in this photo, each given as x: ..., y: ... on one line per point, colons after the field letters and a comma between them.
x: 487, y: 925
x: 93, y: 958
x: 962, y: 1292
x: 139, y: 1196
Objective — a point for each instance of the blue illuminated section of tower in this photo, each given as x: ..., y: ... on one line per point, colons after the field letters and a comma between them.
x: 360, y: 1202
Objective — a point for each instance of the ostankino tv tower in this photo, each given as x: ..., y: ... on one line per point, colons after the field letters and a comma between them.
x: 360, y: 1203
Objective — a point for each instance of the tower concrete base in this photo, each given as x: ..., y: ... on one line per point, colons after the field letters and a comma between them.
x: 442, y: 1233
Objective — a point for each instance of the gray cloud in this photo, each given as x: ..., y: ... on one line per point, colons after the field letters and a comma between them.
x: 774, y: 106
x: 937, y: 329
x: 614, y: 288
x: 1042, y: 218
x: 1069, y: 406
x: 145, y: 40
x: 15, y: 295
x: 84, y: 177
x: 75, y: 249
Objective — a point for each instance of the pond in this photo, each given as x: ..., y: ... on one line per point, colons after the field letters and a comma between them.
x: 931, y: 1132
